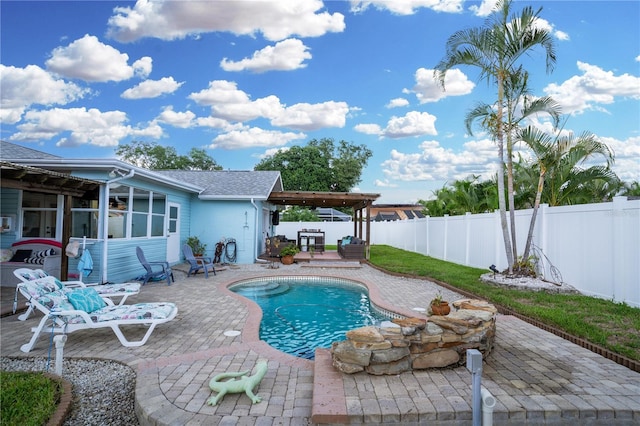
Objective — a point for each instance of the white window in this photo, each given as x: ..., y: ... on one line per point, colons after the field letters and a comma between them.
x: 135, y: 212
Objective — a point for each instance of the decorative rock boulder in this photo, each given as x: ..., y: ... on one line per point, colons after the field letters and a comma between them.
x: 409, y: 344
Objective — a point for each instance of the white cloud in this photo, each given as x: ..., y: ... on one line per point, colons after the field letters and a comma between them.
x: 436, y: 163
x: 308, y: 117
x: 90, y: 60
x: 485, y: 8
x: 220, y: 91
x: 177, y: 119
x: 543, y: 24
x: 414, y: 123
x: 213, y: 122
x: 407, y: 7
x: 85, y: 126
x: 23, y: 87
x: 152, y: 88
x: 271, y: 152
x: 170, y: 20
x: 368, y: 129
x: 230, y: 103
x: 384, y: 184
x: 595, y: 87
x: 428, y: 89
x: 627, y: 157
x: 638, y: 58
x: 286, y: 55
x: 397, y: 102
x: 254, y: 137
x: 142, y: 67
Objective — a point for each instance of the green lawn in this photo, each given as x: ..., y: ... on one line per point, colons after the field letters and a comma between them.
x: 27, y: 398
x: 614, y: 326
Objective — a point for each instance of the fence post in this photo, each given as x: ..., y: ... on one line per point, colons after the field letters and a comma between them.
x: 617, y: 237
x: 446, y: 237
x: 467, y: 237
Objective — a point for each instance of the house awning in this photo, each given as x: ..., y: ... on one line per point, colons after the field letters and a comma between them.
x: 29, y: 178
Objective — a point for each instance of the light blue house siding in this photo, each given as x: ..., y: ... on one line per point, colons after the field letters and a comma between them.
x: 121, y: 263
x: 213, y: 205
x: 241, y: 221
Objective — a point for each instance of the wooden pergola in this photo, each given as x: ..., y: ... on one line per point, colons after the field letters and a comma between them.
x: 357, y: 201
x: 28, y: 178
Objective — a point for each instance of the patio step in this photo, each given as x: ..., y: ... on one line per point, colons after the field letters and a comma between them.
x: 325, y: 264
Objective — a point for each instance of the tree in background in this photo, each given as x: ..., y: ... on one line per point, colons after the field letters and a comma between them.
x: 152, y: 156
x: 319, y: 166
x: 631, y: 189
x: 299, y: 214
x: 462, y: 196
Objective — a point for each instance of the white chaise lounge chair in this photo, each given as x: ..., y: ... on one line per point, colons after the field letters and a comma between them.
x: 106, y: 291
x: 67, y: 310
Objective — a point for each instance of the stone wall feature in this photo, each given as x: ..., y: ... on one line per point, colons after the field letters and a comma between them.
x: 406, y: 344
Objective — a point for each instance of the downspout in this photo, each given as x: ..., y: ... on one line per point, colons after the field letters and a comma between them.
x: 105, y: 221
x: 255, y: 242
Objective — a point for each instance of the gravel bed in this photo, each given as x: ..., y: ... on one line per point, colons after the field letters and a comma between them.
x: 103, y: 391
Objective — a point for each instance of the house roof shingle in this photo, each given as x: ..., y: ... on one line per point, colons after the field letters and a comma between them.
x: 18, y: 152
x: 229, y: 184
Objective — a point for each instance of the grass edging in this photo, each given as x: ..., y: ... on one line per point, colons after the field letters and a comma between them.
x: 64, y: 406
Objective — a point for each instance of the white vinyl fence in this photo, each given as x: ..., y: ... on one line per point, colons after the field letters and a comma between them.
x: 594, y: 247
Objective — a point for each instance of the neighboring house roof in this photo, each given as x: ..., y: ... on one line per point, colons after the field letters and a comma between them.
x: 12, y: 151
x: 229, y: 184
x: 383, y: 212
x: 384, y: 216
x: 330, y: 214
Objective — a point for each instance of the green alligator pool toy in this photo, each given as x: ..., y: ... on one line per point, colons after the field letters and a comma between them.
x: 239, y: 382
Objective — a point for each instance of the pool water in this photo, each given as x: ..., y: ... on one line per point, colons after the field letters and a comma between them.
x: 301, y: 315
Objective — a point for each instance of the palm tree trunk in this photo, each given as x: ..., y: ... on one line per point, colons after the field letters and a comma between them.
x: 534, y: 214
x: 512, y: 208
x: 501, y: 198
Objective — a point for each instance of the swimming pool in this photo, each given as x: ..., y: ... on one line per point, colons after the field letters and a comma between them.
x: 300, y: 314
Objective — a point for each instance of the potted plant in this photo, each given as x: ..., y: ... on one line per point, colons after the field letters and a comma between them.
x: 439, y: 306
x: 287, y: 254
x: 196, y: 245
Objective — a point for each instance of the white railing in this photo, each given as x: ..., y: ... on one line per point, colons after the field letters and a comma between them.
x: 595, y: 247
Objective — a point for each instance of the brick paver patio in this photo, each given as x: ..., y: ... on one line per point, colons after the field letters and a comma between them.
x: 536, y: 377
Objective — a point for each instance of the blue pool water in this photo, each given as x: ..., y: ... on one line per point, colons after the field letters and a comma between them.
x: 300, y: 315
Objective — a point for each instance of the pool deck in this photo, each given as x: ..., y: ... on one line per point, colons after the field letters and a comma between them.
x: 535, y: 376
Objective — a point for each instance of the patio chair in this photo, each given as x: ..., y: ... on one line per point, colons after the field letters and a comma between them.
x: 106, y: 291
x: 197, y: 263
x: 164, y: 271
x: 68, y: 310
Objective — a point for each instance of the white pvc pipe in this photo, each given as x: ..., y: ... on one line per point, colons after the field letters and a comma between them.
x: 488, y: 403
x: 60, y: 340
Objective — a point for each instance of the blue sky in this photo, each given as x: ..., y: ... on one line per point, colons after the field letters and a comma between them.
x: 243, y: 79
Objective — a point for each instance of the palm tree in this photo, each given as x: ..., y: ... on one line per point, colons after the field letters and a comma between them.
x: 631, y: 189
x: 561, y: 179
x: 495, y: 49
x: 462, y: 196
x: 519, y: 106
